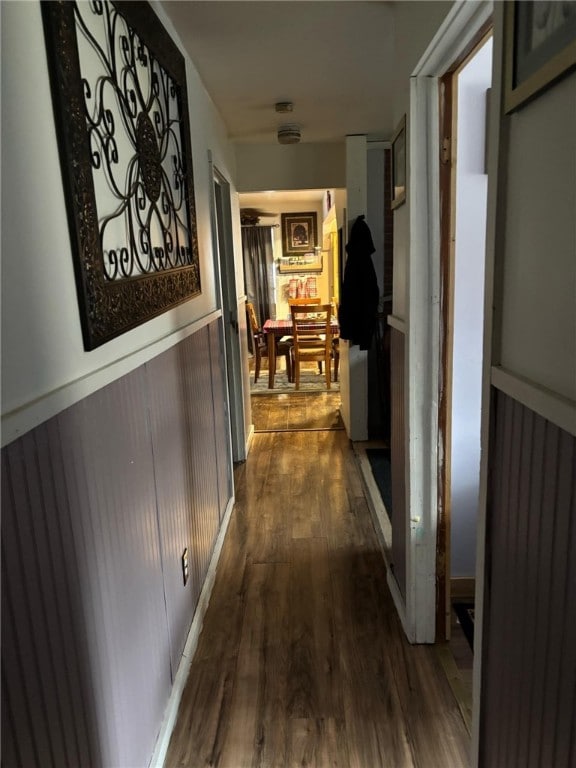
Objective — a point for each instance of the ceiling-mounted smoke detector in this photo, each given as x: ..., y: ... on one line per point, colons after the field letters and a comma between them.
x: 284, y: 106
x: 289, y: 134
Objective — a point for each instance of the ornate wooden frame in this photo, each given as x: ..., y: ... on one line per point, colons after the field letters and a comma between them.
x: 290, y: 223
x: 155, y: 265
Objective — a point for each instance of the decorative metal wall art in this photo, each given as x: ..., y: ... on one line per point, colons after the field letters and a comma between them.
x: 120, y: 102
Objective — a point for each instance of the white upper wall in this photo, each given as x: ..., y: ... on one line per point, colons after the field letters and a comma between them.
x: 44, y: 365
x: 468, y: 308
x: 538, y: 249
x: 416, y: 24
x: 262, y: 167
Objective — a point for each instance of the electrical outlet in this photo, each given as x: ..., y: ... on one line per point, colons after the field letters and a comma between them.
x: 185, y: 569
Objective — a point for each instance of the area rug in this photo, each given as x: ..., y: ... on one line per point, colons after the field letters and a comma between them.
x: 310, y: 381
x: 465, y: 613
x: 379, y: 459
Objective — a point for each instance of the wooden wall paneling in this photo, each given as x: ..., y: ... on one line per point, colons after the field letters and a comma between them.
x: 529, y: 662
x: 398, y: 458
x: 560, y: 657
x: 519, y: 560
x: 93, y: 619
x: 511, y: 623
x: 181, y: 383
x: 173, y: 474
x: 108, y: 455
x: 90, y: 610
x: 19, y: 643
x: 44, y: 695
x: 66, y: 628
x: 538, y: 658
x: 536, y: 442
x: 491, y: 606
x: 195, y: 366
x: 564, y: 640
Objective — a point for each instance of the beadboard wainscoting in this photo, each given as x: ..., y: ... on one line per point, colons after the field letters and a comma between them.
x: 529, y: 628
x: 98, y: 505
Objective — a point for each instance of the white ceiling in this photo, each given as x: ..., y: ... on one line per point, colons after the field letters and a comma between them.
x: 333, y: 59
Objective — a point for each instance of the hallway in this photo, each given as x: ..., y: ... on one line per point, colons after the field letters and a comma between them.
x: 302, y: 660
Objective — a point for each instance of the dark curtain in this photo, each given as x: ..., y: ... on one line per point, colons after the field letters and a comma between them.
x: 259, y: 270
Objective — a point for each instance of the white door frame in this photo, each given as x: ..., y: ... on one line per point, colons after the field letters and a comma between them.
x: 227, y: 297
x: 423, y: 361
x: 462, y: 24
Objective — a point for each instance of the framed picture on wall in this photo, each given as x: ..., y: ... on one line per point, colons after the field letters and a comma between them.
x: 121, y: 112
x: 399, y: 164
x: 299, y: 233
x: 540, y: 47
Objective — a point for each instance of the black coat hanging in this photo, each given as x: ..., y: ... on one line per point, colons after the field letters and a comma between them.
x: 358, y: 311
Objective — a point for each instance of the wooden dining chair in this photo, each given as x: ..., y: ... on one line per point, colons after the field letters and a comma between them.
x: 260, y: 344
x: 335, y: 343
x: 300, y: 302
x: 311, y: 344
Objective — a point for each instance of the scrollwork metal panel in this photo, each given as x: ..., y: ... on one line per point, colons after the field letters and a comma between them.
x: 120, y: 102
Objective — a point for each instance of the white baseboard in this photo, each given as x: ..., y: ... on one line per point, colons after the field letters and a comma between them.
x: 171, y: 711
x: 374, y: 499
x: 383, y: 530
x: 250, y: 439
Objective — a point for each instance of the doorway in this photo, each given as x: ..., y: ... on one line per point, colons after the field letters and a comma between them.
x: 464, y: 26
x: 464, y: 93
x: 281, y: 283
x: 225, y: 268
x: 464, y: 100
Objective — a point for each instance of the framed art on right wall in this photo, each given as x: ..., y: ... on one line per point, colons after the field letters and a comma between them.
x: 399, y: 165
x: 540, y: 47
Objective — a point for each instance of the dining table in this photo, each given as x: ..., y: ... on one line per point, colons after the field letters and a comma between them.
x: 276, y: 329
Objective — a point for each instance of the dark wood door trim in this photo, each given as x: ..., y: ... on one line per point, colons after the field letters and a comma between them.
x: 447, y: 180
x: 447, y: 183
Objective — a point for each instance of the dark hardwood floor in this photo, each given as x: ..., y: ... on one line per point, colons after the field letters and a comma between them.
x: 296, y: 411
x: 302, y: 660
